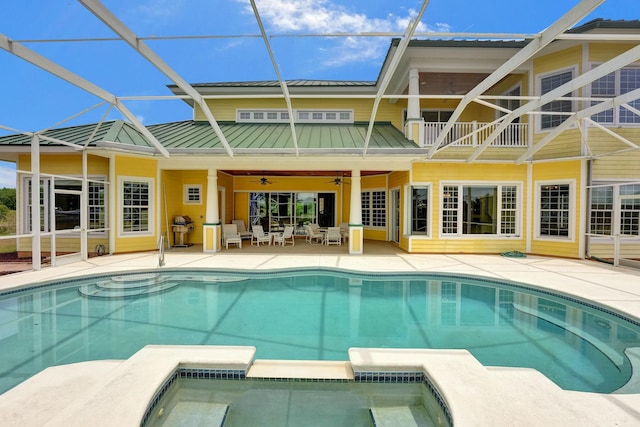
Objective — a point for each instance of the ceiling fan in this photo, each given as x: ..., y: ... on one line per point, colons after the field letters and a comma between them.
x: 264, y: 180
x: 338, y: 179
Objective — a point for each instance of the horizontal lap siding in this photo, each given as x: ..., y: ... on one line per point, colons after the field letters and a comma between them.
x: 435, y: 173
x: 603, y: 249
x: 143, y: 168
x: 562, y: 172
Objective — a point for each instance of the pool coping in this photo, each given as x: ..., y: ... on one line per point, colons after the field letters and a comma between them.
x: 475, y: 393
x: 125, y: 392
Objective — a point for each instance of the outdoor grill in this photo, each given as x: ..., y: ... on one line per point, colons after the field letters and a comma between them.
x: 182, y: 225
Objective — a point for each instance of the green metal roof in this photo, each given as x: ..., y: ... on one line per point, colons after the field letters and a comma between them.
x: 244, y: 138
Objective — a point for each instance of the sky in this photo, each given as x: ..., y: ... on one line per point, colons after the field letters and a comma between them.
x: 31, y: 99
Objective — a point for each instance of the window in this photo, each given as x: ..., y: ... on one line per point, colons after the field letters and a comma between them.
x: 283, y: 208
x: 480, y: 209
x: 374, y: 212
x: 193, y: 194
x: 554, y: 210
x: 614, y: 84
x: 547, y: 84
x: 419, y: 211
x: 136, y: 195
x: 629, y: 210
x: 603, y: 209
x: 509, y: 104
x: 67, y: 196
x: 601, y: 213
x: 303, y: 116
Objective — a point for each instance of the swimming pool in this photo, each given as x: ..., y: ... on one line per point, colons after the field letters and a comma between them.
x: 313, y: 315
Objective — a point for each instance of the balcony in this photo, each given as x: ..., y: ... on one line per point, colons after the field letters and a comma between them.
x: 472, y: 134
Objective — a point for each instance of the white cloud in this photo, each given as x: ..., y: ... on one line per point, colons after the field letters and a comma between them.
x: 7, y: 175
x: 324, y: 16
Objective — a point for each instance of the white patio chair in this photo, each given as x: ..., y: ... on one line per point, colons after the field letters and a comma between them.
x: 242, y: 230
x: 230, y: 235
x: 344, y: 230
x: 259, y: 236
x: 286, y: 237
x: 333, y: 236
x: 313, y: 236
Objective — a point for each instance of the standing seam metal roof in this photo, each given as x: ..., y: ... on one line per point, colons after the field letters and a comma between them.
x: 192, y: 135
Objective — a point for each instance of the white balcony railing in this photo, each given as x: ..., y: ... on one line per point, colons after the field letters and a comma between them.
x: 471, y: 134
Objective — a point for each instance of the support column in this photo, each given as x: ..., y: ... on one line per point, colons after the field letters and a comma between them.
x: 212, y: 227
x: 413, y: 104
x: 35, y: 203
x: 84, y: 209
x: 356, y: 230
x: 414, y: 125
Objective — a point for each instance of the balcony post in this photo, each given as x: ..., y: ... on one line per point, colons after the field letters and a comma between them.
x: 414, y: 126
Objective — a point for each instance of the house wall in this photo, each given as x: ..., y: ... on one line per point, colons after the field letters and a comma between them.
x: 435, y: 174
x: 64, y: 165
x: 128, y: 166
x: 569, y: 171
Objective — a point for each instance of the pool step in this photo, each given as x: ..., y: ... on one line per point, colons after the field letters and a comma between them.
x: 188, y: 414
x: 406, y: 416
x: 128, y: 286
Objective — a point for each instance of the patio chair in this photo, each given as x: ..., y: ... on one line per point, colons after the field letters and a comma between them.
x: 313, y: 236
x: 230, y: 235
x: 344, y: 231
x: 286, y: 237
x: 333, y: 236
x: 242, y: 230
x: 259, y: 235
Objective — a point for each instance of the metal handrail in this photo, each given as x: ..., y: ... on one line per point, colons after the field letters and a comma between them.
x: 161, y: 251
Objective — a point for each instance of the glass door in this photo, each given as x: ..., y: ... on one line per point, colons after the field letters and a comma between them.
x: 395, y: 216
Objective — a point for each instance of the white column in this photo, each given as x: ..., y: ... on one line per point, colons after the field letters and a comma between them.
x: 84, y: 210
x: 356, y: 235
x: 211, y: 215
x: 413, y: 104
x: 211, y: 227
x: 35, y: 202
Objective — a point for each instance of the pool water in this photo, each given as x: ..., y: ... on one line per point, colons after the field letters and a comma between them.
x: 284, y: 403
x: 313, y: 315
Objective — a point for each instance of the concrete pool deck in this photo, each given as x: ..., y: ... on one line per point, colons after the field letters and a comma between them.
x: 477, y: 395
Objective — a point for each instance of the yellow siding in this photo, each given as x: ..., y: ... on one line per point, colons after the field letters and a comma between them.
x: 67, y: 165
x: 601, y: 52
x: 567, y: 144
x: 225, y: 109
x: 558, y: 60
x: 435, y: 173
x: 241, y: 206
x: 242, y: 186
x: 618, y: 166
x: 137, y: 167
x: 560, y: 171
x: 373, y: 182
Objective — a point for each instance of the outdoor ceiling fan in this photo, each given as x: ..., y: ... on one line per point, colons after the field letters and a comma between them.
x: 338, y: 179
x: 264, y: 180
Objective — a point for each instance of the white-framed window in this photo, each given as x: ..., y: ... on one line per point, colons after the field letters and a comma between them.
x: 374, y: 208
x: 555, y: 209
x: 136, y: 206
x: 509, y: 104
x: 301, y: 116
x: 419, y: 210
x: 547, y: 83
x: 603, y: 209
x: 192, y: 194
x: 614, y: 84
x: 480, y: 208
x: 66, y: 203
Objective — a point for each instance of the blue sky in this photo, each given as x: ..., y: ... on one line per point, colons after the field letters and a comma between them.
x: 32, y: 99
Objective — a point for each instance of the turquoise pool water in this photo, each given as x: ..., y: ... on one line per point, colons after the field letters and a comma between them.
x: 313, y: 315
